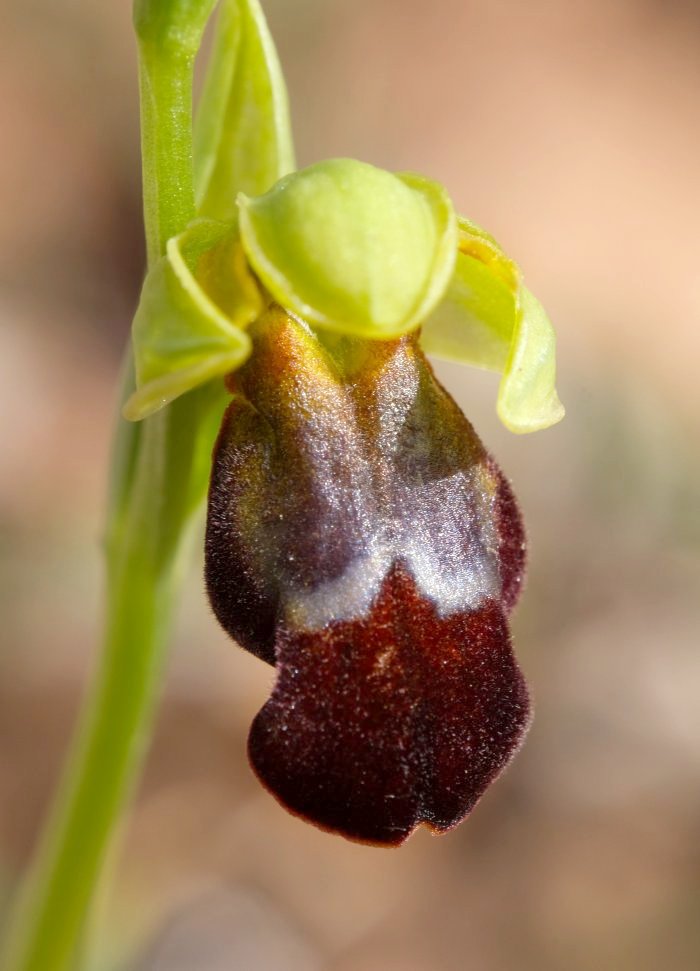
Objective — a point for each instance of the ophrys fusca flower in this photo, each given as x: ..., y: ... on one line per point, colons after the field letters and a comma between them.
x: 360, y: 538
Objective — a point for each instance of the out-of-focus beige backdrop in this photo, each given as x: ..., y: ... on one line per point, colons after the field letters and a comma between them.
x: 572, y: 131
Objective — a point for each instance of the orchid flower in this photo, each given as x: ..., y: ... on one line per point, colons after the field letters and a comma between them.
x: 359, y: 536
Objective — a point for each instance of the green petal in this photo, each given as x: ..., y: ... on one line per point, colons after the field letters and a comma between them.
x: 188, y: 325
x: 474, y: 323
x: 527, y: 397
x: 488, y: 319
x: 353, y: 248
x: 243, y: 139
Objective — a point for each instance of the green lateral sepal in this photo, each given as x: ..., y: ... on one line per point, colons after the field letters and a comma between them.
x: 490, y: 320
x: 190, y: 323
x: 527, y: 396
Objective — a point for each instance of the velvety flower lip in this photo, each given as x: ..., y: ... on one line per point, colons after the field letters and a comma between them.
x: 360, y: 538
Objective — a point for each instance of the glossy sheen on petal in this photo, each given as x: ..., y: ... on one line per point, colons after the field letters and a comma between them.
x: 353, y: 248
x: 357, y: 524
x: 291, y: 493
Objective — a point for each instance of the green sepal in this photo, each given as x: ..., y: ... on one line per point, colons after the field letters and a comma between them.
x: 488, y: 319
x: 189, y: 325
x: 474, y: 322
x: 353, y: 248
x: 242, y: 138
x: 527, y: 397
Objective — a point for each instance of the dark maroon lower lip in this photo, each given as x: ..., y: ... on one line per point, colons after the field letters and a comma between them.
x: 399, y: 718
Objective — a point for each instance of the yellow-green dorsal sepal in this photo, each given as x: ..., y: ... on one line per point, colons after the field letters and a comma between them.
x: 352, y: 248
x: 490, y: 320
x: 189, y: 325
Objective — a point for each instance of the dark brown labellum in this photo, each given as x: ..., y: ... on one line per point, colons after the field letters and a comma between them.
x: 361, y: 539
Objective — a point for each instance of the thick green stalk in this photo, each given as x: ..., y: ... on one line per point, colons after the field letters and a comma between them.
x: 158, y: 480
x: 169, y: 34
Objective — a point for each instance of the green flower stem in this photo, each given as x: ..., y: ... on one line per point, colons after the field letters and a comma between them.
x: 169, y: 34
x: 163, y: 84
x: 158, y: 482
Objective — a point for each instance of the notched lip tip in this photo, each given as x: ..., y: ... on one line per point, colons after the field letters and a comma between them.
x: 381, y: 844
x: 403, y: 835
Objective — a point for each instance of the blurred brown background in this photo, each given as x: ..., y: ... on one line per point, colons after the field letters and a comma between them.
x: 571, y: 131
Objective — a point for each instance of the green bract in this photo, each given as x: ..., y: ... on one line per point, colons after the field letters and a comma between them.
x: 348, y: 247
x: 242, y: 139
